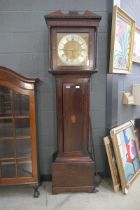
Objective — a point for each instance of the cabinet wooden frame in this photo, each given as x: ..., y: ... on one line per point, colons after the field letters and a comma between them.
x: 24, y: 86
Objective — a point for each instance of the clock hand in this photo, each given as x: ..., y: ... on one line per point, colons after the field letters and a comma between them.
x: 67, y: 49
x: 73, y: 50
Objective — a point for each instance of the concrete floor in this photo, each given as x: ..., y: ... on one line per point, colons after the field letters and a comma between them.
x: 20, y: 198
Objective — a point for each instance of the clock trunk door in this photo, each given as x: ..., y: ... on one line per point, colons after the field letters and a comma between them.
x: 73, y: 118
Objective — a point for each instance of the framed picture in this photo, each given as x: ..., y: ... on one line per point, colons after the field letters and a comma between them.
x: 125, y: 148
x: 136, y: 49
x: 122, y: 41
x: 112, y: 163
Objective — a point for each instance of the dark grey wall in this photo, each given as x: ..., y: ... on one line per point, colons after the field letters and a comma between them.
x: 125, y: 82
x: 23, y: 47
x: 117, y: 113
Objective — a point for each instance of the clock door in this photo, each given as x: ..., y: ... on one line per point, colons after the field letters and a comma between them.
x: 73, y: 118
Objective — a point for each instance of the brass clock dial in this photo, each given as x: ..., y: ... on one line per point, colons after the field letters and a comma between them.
x: 72, y: 49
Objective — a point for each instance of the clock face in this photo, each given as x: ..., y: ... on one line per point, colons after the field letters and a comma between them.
x: 72, y: 49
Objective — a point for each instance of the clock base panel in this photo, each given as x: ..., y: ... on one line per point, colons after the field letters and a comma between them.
x: 73, y: 177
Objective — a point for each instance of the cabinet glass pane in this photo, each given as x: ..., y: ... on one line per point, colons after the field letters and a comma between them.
x: 22, y: 127
x: 5, y: 102
x: 6, y: 148
x: 21, y: 104
x: 8, y: 169
x: 24, y: 169
x: 23, y: 148
x: 6, y: 128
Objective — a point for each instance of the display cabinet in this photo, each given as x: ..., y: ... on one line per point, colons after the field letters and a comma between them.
x: 18, y: 146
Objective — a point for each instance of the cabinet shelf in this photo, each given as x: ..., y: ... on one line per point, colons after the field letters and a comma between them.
x: 22, y: 137
x: 6, y: 117
x: 22, y: 117
x: 6, y: 138
x: 15, y: 138
x: 15, y: 158
x: 16, y: 117
x: 11, y: 163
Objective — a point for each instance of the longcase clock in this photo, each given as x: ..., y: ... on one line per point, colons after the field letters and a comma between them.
x: 72, y: 60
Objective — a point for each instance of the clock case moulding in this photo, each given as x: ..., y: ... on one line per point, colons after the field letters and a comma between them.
x: 73, y: 167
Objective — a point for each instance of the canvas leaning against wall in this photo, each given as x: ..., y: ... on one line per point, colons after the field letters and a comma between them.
x: 126, y: 152
x: 122, y: 41
x: 112, y: 163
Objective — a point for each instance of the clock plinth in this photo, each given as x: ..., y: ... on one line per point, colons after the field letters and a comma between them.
x: 73, y: 176
x: 73, y: 57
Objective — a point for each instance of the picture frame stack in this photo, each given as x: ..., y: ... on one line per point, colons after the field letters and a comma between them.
x: 126, y: 155
x: 112, y: 163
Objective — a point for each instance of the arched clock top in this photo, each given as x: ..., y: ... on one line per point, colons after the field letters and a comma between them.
x: 10, y: 76
x: 83, y: 17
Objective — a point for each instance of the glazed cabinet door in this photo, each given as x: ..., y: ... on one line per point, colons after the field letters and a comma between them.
x: 15, y: 134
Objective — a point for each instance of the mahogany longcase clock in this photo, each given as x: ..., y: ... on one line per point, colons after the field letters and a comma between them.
x: 72, y: 59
